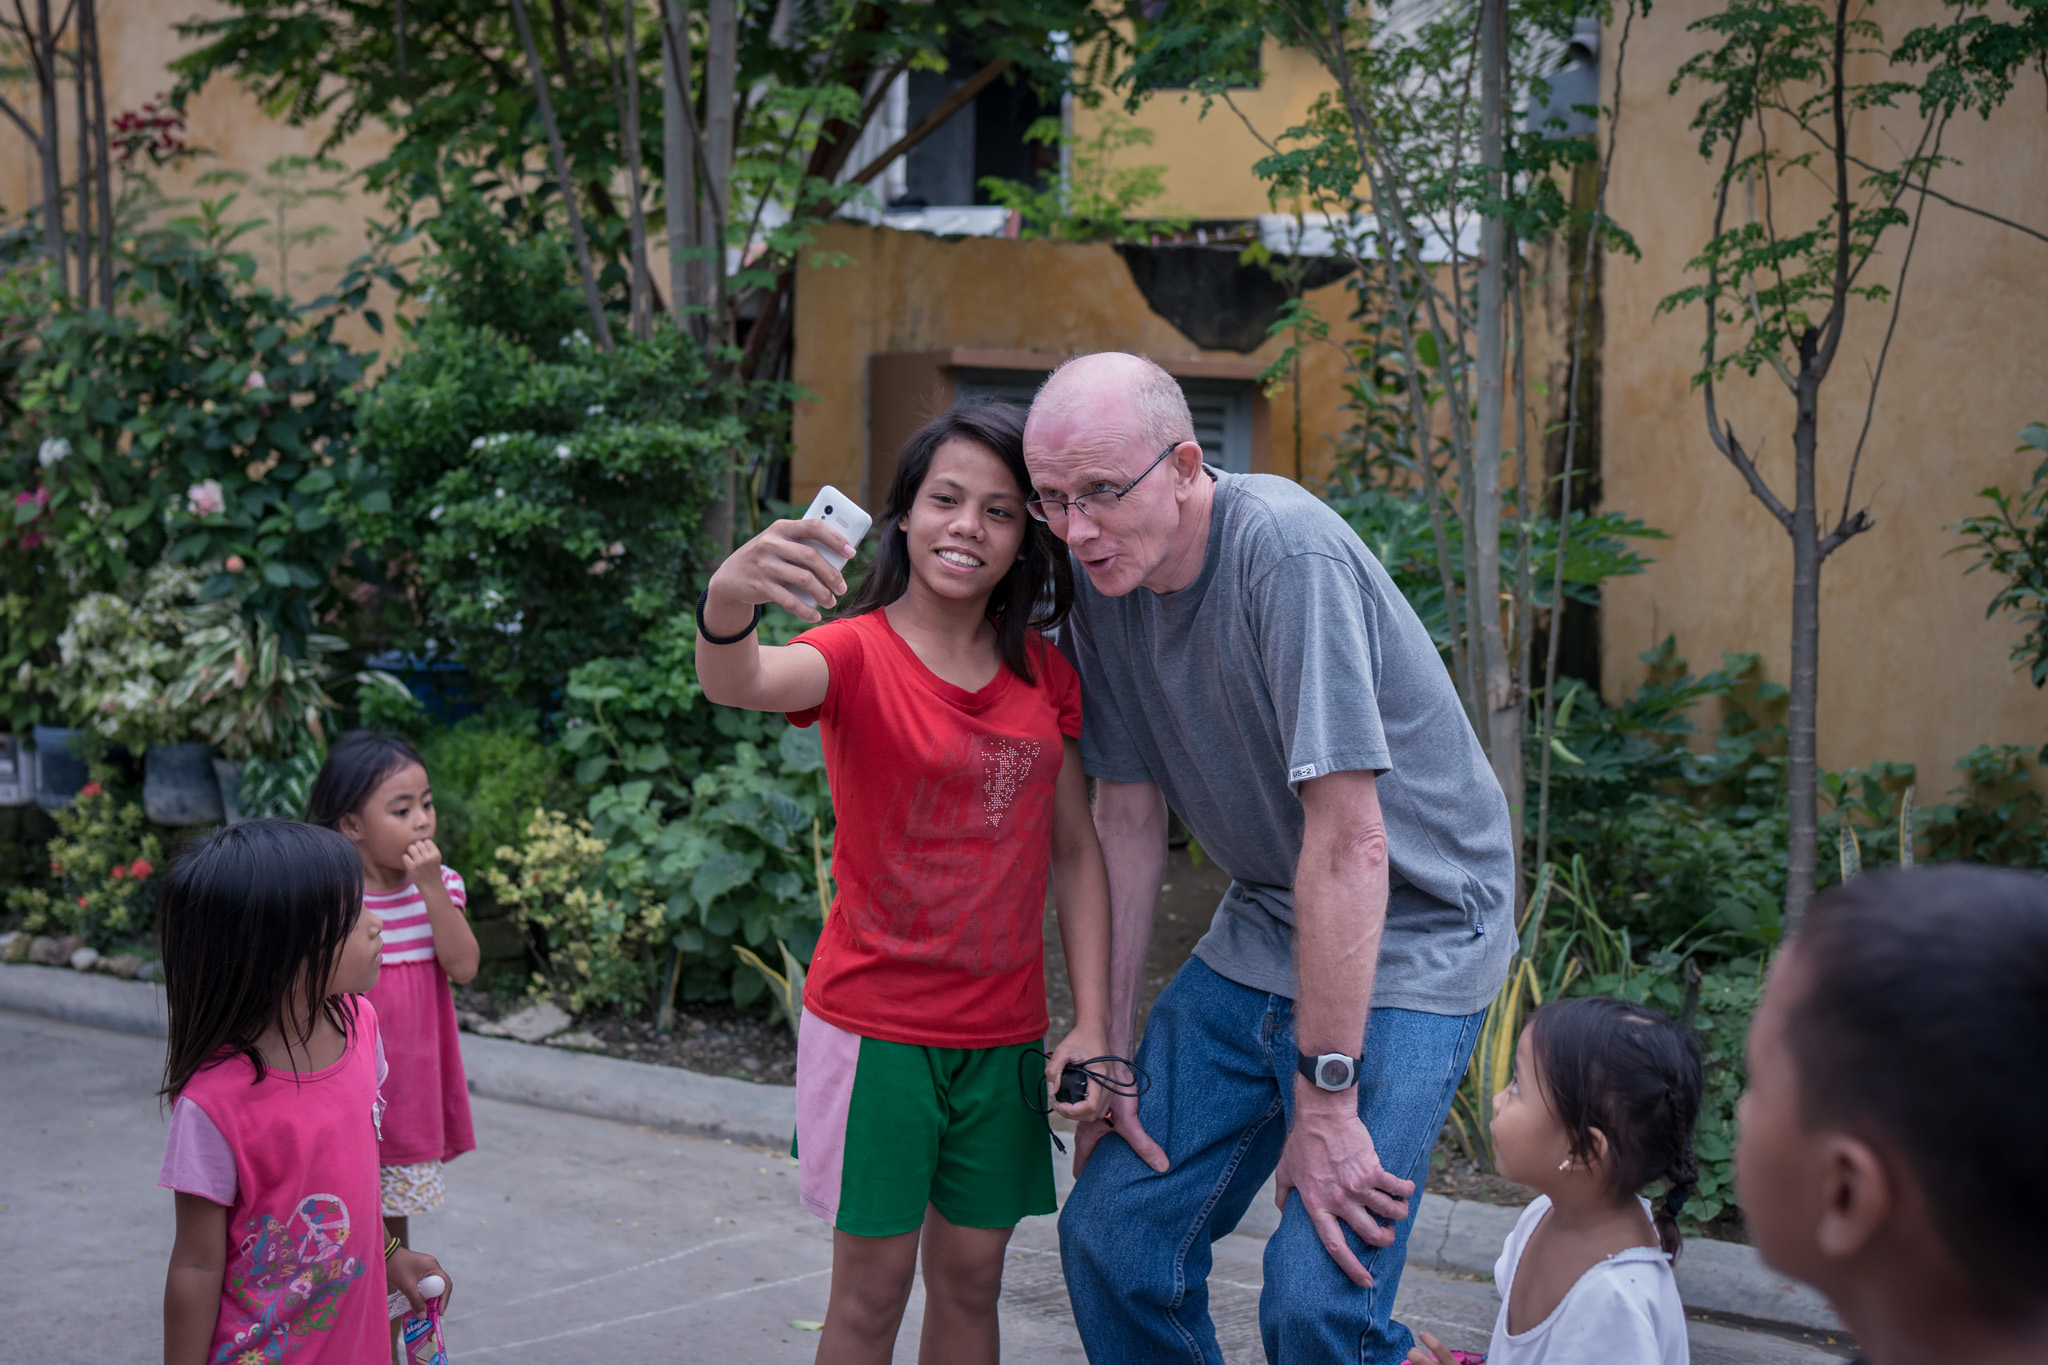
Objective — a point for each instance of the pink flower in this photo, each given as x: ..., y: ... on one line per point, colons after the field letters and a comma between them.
x: 205, y: 499
x: 140, y: 868
x: 117, y: 872
x: 81, y: 902
x: 90, y: 789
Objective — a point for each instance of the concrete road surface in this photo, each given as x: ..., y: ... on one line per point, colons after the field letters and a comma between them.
x: 569, y: 1238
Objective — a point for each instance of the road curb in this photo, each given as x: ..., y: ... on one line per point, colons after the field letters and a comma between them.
x: 1453, y: 1236
x: 631, y: 1092
x: 82, y: 998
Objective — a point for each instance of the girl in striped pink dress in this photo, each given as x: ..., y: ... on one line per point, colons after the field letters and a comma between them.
x: 374, y: 789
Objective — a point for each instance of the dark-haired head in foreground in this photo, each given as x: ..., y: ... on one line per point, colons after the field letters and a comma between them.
x: 1893, y: 1134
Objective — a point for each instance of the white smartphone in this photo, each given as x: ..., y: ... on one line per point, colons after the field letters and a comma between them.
x: 843, y: 515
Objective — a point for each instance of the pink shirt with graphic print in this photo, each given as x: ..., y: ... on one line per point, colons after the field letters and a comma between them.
x: 293, y: 1158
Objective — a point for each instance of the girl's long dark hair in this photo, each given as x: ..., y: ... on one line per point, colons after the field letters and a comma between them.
x: 1035, y: 594
x: 355, y: 765
x: 244, y: 921
x: 1628, y: 1071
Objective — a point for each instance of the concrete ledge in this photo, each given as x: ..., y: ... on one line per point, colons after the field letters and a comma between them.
x: 631, y: 1092
x: 83, y: 998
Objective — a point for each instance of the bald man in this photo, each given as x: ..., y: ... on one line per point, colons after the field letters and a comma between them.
x: 1246, y: 661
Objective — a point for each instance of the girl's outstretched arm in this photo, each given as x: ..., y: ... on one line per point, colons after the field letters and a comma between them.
x: 199, y: 1259
x: 1081, y: 899
x: 771, y: 568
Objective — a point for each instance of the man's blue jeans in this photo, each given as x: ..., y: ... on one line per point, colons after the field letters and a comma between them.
x: 1135, y: 1244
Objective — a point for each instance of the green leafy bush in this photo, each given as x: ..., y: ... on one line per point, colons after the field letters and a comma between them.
x: 548, y: 508
x: 102, y: 868
x: 206, y: 421
x: 594, y: 945
x: 490, y: 773
x: 712, y: 815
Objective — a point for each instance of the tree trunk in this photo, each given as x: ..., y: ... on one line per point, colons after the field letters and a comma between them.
x: 89, y: 39
x: 44, y: 43
x: 1802, y: 773
x: 642, y: 281
x: 1498, y: 700
x: 679, y: 167
x: 82, y: 213
x: 567, y: 188
x: 721, y: 70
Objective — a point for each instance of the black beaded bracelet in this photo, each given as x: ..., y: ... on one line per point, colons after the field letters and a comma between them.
x: 704, y: 631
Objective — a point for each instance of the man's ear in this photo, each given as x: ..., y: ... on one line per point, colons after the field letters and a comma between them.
x: 1858, y: 1198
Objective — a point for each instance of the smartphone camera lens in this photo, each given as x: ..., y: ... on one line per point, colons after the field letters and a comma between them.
x: 828, y: 509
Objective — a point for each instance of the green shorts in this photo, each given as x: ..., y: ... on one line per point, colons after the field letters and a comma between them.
x: 884, y: 1129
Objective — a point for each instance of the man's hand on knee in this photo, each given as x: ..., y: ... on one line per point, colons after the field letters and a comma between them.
x: 1331, y: 1162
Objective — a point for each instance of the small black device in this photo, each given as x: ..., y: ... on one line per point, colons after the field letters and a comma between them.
x: 1073, y: 1086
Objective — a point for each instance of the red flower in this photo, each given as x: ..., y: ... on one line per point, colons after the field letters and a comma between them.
x: 89, y: 789
x: 81, y: 902
x: 56, y: 869
x: 140, y: 868
x: 117, y: 872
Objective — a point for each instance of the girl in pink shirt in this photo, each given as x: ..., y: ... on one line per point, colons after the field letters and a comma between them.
x: 273, y: 1068
x: 374, y: 790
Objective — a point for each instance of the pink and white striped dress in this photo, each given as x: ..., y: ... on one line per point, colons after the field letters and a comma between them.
x: 426, y: 1116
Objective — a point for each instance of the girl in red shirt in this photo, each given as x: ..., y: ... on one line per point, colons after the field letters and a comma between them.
x: 950, y: 730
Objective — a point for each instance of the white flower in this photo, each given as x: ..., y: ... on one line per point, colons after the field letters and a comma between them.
x: 479, y: 443
x: 562, y: 452
x: 499, y: 494
x: 576, y: 338
x: 205, y: 499
x: 435, y: 513
x: 53, y: 450
x: 255, y: 380
x: 594, y: 410
x: 616, y: 548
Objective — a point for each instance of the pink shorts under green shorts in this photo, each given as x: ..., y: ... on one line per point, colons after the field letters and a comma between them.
x: 885, y: 1129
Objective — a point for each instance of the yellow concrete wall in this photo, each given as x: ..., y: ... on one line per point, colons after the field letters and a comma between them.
x: 138, y: 42
x: 1209, y: 159
x: 905, y: 291
x: 1910, y: 669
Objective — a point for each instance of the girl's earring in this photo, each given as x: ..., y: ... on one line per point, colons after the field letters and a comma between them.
x: 1565, y: 1165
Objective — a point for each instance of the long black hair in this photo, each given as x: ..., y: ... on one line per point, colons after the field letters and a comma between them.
x: 245, y: 921
x: 1037, y: 591
x: 355, y: 765
x: 1920, y: 1021
x: 1629, y: 1072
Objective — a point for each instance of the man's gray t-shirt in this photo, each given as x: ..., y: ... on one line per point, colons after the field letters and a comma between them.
x: 1291, y: 656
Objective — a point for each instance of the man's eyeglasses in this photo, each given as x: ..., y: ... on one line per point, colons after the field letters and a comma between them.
x: 1097, y: 504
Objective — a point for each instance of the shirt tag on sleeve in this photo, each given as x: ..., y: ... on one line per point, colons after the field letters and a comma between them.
x: 1301, y: 774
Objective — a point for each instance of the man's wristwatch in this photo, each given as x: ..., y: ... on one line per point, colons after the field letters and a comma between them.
x: 1332, y: 1071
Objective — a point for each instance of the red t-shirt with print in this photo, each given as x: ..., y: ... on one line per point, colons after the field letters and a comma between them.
x: 944, y: 799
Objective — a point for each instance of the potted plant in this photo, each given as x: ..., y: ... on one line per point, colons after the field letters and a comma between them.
x: 116, y: 660
x: 264, y: 711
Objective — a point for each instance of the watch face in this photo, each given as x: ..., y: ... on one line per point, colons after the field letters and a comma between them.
x: 1333, y: 1073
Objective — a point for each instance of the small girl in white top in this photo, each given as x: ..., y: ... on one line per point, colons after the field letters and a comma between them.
x: 1602, y: 1103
